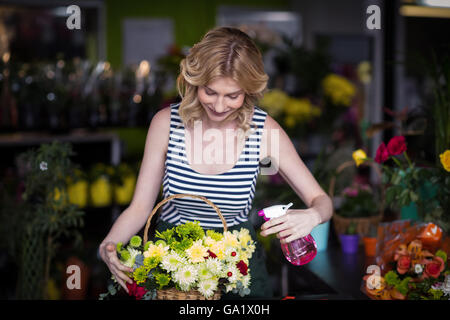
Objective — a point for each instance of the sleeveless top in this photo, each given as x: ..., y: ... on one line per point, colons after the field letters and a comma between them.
x: 231, y: 191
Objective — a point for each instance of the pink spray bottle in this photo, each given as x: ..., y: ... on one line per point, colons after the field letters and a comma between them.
x: 298, y: 252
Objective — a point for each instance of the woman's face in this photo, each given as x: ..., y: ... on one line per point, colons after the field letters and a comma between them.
x: 220, y: 98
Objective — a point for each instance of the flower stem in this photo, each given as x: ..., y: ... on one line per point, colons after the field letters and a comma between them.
x: 407, y: 159
x: 397, y: 162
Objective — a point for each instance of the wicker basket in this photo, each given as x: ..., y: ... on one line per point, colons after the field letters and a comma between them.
x: 363, y: 224
x: 172, y: 293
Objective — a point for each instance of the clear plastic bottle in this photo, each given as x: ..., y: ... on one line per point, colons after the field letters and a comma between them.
x: 298, y: 252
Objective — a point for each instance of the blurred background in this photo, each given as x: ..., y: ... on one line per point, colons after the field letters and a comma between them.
x: 342, y: 78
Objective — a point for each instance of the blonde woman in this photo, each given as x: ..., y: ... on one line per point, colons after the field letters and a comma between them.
x: 211, y: 144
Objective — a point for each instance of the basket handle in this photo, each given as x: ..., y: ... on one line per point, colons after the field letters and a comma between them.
x: 182, y: 195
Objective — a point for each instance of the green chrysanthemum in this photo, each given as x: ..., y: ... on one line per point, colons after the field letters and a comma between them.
x: 119, y: 246
x: 140, y: 275
x: 151, y: 262
x: 162, y: 279
x: 124, y: 255
x: 135, y: 241
x: 214, y: 235
x: 147, y: 245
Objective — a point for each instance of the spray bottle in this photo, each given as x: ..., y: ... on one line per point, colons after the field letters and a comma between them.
x: 298, y: 252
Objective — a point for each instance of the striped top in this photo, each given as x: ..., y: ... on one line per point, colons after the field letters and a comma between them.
x: 231, y: 191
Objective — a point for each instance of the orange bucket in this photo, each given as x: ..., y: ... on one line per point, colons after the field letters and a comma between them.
x: 370, y: 246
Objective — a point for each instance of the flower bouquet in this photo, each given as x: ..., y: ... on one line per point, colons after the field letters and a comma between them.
x: 414, y: 264
x: 187, y: 263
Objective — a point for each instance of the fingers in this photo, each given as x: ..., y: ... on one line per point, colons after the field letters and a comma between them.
x: 120, y: 274
x: 268, y: 227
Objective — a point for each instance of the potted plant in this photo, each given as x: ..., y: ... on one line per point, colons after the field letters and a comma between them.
x: 350, y: 239
x: 358, y: 204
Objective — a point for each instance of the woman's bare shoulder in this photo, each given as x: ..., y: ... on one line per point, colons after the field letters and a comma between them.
x: 161, y: 119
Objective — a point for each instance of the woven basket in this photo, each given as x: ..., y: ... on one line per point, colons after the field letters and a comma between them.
x: 172, y: 293
x: 363, y: 224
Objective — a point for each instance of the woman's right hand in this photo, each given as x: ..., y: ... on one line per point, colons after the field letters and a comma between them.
x: 109, y: 255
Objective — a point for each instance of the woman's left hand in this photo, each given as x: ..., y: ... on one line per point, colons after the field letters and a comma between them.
x: 295, y: 224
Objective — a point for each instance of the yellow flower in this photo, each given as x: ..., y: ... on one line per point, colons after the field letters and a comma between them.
x: 338, y: 89
x: 445, y: 159
x: 359, y: 156
x: 197, y: 252
x: 230, y: 240
x: 274, y: 102
x: 157, y: 251
x: 218, y: 249
x: 300, y: 111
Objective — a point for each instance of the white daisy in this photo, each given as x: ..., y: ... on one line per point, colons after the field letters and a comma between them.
x: 214, y: 265
x: 172, y: 261
x: 203, y: 271
x: 232, y: 273
x: 185, y: 276
x: 207, y: 287
x: 232, y: 255
x: 133, y: 254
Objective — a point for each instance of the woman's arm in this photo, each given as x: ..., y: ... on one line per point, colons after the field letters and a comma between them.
x: 147, y: 189
x: 297, y: 223
x: 148, y: 183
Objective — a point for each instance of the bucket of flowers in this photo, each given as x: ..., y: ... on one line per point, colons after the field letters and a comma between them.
x: 412, y: 264
x: 187, y: 262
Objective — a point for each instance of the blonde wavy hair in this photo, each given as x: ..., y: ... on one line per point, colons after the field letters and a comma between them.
x: 222, y: 52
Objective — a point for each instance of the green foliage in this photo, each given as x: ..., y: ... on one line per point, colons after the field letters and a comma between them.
x: 50, y: 217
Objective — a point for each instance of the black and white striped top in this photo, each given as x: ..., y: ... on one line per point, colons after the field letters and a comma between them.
x: 231, y: 191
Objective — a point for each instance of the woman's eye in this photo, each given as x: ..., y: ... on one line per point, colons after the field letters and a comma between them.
x: 209, y: 93
x: 235, y: 97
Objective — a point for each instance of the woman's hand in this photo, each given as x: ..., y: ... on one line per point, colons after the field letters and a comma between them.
x: 109, y: 255
x: 295, y: 224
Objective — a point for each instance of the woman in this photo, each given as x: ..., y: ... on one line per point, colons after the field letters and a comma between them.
x: 221, y: 80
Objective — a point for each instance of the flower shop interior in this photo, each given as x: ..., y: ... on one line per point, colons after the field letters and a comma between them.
x: 362, y: 89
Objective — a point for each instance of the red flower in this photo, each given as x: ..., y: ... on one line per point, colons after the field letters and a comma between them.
x: 211, y: 254
x: 382, y: 153
x: 243, y: 268
x: 396, y: 145
x: 434, y: 267
x: 403, y: 264
x: 136, y: 291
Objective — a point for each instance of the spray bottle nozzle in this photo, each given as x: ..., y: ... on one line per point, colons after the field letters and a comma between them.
x: 274, y: 211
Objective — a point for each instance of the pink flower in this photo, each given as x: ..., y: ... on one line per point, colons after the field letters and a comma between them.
x: 382, y: 153
x: 434, y: 268
x: 396, y: 145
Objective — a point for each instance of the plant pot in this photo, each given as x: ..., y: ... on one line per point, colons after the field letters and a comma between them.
x: 320, y: 234
x: 370, y: 246
x: 363, y: 224
x: 349, y: 242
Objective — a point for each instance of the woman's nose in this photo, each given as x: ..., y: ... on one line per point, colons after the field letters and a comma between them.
x: 219, y: 105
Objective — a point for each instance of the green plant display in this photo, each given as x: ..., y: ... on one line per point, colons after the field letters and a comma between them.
x: 50, y: 217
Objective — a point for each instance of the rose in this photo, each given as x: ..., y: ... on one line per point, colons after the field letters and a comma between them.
x: 243, y: 268
x: 434, y: 267
x: 382, y: 153
x: 396, y: 145
x: 136, y: 291
x: 403, y: 264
